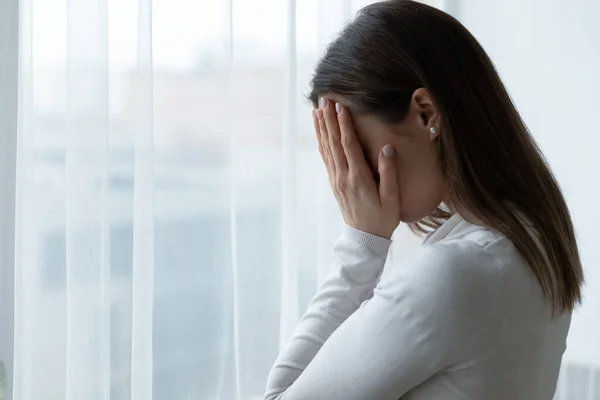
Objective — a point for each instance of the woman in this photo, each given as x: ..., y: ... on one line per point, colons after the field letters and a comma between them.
x: 410, y: 115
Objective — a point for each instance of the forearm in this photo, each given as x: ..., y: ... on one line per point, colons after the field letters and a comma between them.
x: 358, y: 262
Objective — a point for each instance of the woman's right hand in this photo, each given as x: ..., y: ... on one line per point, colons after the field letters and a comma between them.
x: 365, y: 205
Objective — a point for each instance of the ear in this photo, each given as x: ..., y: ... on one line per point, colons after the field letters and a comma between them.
x: 426, y: 113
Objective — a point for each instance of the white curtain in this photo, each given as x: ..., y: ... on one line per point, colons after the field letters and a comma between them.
x: 170, y: 218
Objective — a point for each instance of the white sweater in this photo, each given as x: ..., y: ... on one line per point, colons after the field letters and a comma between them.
x: 461, y: 318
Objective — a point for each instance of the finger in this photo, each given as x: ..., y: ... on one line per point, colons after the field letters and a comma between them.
x: 354, y: 155
x: 389, y: 190
x: 329, y: 162
x: 317, y: 132
x: 320, y: 142
x: 334, y: 134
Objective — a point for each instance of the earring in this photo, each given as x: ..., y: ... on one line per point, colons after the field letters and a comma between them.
x: 432, y: 130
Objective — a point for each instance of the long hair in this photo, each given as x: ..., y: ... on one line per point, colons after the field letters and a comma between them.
x: 494, y: 172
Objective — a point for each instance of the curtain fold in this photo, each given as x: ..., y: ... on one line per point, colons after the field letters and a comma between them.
x: 289, y: 313
x: 87, y: 275
x: 9, y: 82
x: 24, y: 214
x: 143, y: 214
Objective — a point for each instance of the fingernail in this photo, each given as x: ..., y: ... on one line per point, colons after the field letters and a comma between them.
x: 319, y: 113
x: 338, y: 108
x: 388, y: 150
x: 322, y: 102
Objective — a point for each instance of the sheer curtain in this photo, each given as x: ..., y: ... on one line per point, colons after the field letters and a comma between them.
x: 166, y: 219
x: 172, y: 216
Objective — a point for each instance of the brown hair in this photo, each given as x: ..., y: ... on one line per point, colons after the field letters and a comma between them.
x: 494, y: 172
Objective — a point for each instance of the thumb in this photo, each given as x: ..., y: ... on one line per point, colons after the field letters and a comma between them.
x: 389, y: 191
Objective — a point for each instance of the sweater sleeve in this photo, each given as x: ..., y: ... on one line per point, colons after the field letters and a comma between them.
x: 358, y: 260
x: 438, y: 310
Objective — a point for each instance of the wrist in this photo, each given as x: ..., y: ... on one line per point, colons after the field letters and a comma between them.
x: 377, y: 243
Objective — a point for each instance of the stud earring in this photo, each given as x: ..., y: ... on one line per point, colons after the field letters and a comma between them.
x: 432, y: 130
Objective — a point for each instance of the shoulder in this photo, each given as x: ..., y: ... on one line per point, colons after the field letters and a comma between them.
x: 460, y: 263
x: 452, y: 279
x: 471, y: 253
x: 456, y: 287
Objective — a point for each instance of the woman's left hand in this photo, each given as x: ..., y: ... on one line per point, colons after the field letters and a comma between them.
x: 365, y: 205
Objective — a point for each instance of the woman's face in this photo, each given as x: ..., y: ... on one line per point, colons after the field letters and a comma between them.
x: 420, y: 179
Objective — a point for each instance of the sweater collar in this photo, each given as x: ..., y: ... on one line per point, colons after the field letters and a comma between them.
x: 454, y: 224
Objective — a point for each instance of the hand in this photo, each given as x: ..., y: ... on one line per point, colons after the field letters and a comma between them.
x: 364, y: 205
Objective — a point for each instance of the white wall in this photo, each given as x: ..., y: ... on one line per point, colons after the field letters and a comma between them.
x: 548, y: 54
